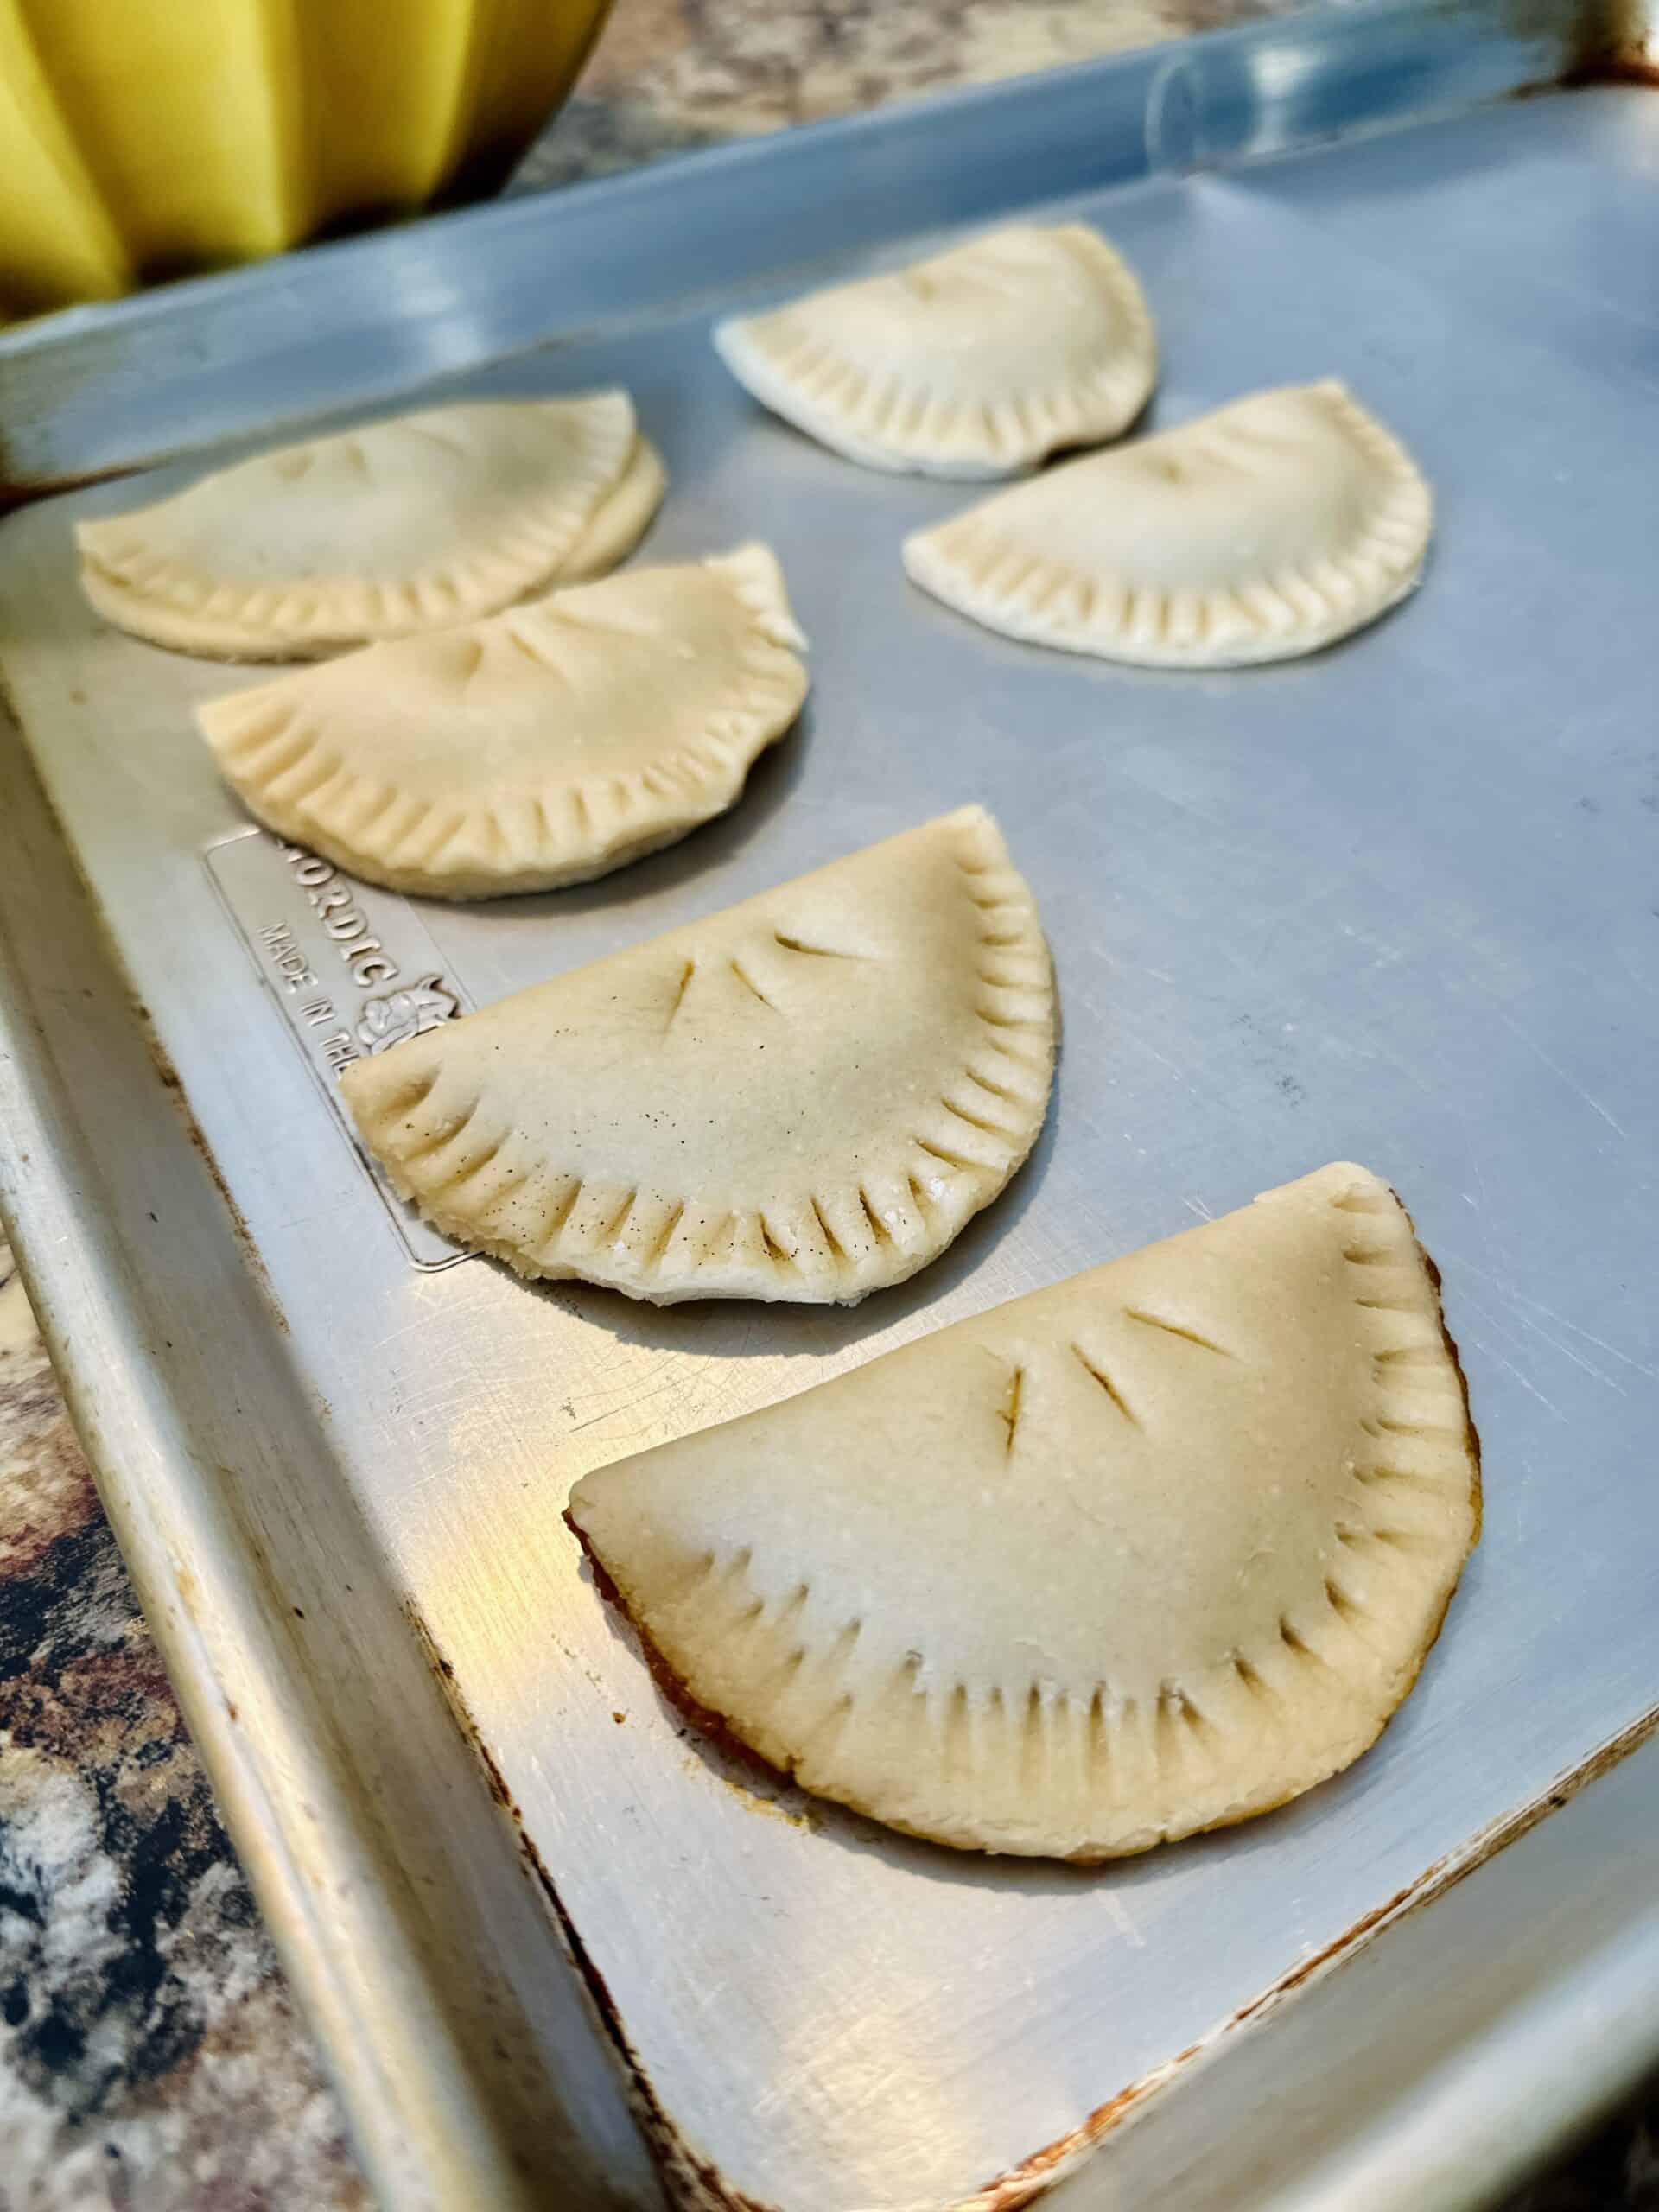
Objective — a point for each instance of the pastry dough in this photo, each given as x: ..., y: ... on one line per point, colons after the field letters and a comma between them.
x: 803, y: 1097
x: 1149, y: 1552
x: 976, y: 363
x: 1267, y: 530
x: 537, y: 748
x: 403, y: 526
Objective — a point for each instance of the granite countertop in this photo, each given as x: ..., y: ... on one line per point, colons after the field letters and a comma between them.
x: 150, y: 2057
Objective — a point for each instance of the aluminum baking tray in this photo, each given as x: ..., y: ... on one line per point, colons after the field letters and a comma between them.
x: 1398, y: 903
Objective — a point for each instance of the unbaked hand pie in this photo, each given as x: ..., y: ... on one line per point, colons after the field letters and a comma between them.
x: 803, y: 1097
x: 1267, y: 530
x: 539, y: 748
x: 1149, y: 1552
x: 400, y: 527
x: 976, y: 363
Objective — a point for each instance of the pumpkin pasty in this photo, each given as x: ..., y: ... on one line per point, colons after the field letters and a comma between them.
x: 803, y: 1097
x: 403, y: 526
x: 539, y: 748
x: 1264, y: 530
x: 977, y: 363
x: 1148, y: 1552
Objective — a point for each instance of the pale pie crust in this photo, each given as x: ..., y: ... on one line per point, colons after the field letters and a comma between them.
x: 802, y: 1098
x: 1150, y: 1552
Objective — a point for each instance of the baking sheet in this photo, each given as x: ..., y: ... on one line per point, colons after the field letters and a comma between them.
x: 186, y: 367
x: 354, y: 972
x: 1395, y: 903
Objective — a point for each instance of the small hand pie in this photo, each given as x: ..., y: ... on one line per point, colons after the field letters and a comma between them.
x: 401, y: 527
x: 976, y: 363
x: 1149, y: 1552
x: 1267, y: 530
x: 803, y: 1098
x: 539, y: 748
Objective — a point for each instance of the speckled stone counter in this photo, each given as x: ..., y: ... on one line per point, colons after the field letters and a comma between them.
x: 150, y: 2057
x: 673, y: 74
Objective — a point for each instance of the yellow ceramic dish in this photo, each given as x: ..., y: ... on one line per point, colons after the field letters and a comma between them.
x: 138, y: 142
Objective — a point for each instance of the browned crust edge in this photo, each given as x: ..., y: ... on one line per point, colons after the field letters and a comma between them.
x: 723, y: 1732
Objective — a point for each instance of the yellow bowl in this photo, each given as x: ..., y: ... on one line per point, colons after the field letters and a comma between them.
x: 143, y: 139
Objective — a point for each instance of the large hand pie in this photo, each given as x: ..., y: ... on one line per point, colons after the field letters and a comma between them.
x: 1150, y: 1552
x: 976, y: 363
x: 539, y: 748
x: 803, y: 1097
x: 403, y: 526
x: 1267, y: 530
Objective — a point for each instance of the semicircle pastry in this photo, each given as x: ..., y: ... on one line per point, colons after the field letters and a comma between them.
x: 802, y: 1098
x: 400, y: 527
x: 976, y: 363
x: 1264, y: 530
x: 539, y: 747
x: 1150, y: 1552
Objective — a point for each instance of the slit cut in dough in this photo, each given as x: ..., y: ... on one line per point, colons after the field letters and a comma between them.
x: 802, y: 1098
x: 1147, y: 1553
x: 977, y: 363
x: 1265, y: 530
x: 402, y: 527
x: 539, y: 747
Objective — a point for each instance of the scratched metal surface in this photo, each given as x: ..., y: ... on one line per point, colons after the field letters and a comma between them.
x: 1397, y: 903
